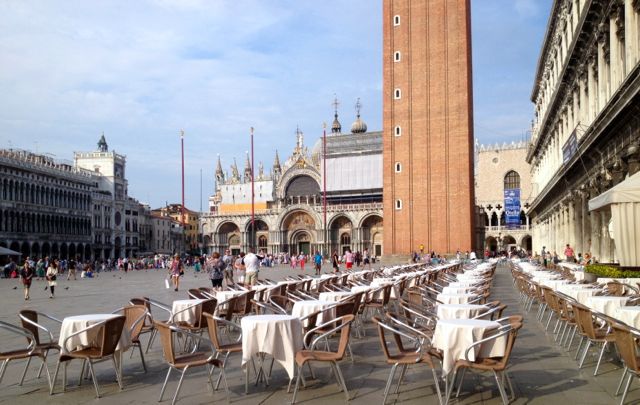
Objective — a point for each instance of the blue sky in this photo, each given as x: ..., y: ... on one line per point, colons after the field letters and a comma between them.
x: 141, y: 71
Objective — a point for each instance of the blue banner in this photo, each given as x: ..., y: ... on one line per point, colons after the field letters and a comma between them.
x: 512, y: 207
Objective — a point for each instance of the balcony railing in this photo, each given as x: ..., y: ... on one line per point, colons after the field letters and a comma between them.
x: 503, y: 228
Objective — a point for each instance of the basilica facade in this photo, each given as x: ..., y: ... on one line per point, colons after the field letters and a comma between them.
x: 327, y: 199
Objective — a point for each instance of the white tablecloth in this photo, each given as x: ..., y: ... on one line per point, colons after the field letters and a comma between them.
x: 553, y: 284
x: 191, y: 315
x: 606, y: 305
x: 470, y: 277
x: 304, y: 308
x: 456, y: 284
x: 629, y: 315
x: 277, y: 335
x: 455, y: 298
x: 73, y: 324
x: 456, y: 290
x: 459, y: 311
x: 381, y: 282
x: 577, y: 292
x: 226, y: 295
x: 454, y: 336
x: 334, y: 296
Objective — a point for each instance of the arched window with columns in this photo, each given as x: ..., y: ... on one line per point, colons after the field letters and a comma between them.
x: 511, y: 180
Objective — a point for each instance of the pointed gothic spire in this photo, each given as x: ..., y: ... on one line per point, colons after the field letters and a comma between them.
x: 336, y: 128
x: 247, y: 168
x: 276, y: 164
x: 219, y: 172
x: 102, y: 144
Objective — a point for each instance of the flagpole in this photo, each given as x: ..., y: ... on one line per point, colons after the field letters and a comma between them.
x: 253, y: 203
x: 182, y: 154
x: 324, y: 183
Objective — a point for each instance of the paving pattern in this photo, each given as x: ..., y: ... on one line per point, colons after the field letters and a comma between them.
x: 541, y: 372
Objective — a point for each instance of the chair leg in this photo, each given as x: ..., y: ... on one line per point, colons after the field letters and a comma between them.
x: 344, y: 384
x: 151, y: 338
x: 52, y: 383
x: 95, y: 380
x: 116, y: 369
x: 164, y: 385
x: 626, y: 388
x: 295, y: 390
x: 402, y: 374
x: 224, y: 364
x: 175, y: 396
x: 389, y: 381
x: 44, y: 365
x: 579, y: 347
x: 450, y: 385
x: 24, y: 373
x: 604, y: 346
x: 503, y: 394
x: 624, y: 374
x: 437, y: 383
x: 82, y: 370
x: 64, y: 376
x: 144, y: 365
x: 584, y: 354
x: 464, y: 371
x: 3, y: 368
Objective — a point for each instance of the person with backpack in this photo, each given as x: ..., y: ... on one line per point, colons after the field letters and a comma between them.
x: 215, y: 268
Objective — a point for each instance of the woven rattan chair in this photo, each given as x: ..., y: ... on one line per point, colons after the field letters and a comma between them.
x: 32, y: 321
x: 135, y: 316
x: 223, y: 346
x: 195, y: 293
x: 111, y: 330
x: 414, y: 350
x: 626, y: 342
x: 148, y: 326
x: 593, y: 331
x: 27, y: 352
x: 498, y: 366
x: 184, y: 362
x: 310, y: 353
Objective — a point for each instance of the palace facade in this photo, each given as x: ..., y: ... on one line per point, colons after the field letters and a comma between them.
x: 586, y: 129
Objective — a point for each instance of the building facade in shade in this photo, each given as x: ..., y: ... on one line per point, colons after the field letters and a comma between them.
x: 503, y: 169
x: 45, y: 205
x: 288, y: 201
x: 586, y: 129
x: 427, y: 126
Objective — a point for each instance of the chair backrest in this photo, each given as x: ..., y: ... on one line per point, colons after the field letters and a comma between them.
x: 33, y: 317
x: 281, y: 301
x: 195, y: 293
x: 626, y: 344
x: 212, y: 329
x: 344, y: 323
x: 382, y: 328
x: 133, y: 314
x: 615, y: 289
x: 112, y: 330
x: 166, y: 339
x: 584, y: 318
x: 248, y: 306
x: 231, y: 305
x: 5, y: 326
x: 208, y: 307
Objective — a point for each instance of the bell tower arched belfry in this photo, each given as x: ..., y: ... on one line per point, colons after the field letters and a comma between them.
x: 427, y: 126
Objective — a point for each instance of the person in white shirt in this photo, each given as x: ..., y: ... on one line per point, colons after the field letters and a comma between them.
x: 252, y: 266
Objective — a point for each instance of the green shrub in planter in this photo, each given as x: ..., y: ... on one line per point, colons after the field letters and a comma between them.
x: 609, y: 271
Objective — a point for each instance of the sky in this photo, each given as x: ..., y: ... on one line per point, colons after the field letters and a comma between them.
x: 142, y: 71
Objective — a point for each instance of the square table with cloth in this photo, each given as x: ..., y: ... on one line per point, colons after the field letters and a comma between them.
x: 334, y: 295
x: 73, y: 324
x: 277, y: 335
x: 187, y: 311
x: 457, y: 290
x: 459, y: 311
x: 454, y: 336
x: 577, y: 292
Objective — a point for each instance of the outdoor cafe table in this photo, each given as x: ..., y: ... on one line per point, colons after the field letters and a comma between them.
x: 578, y: 292
x: 629, y: 315
x: 186, y: 310
x: 303, y: 308
x: 471, y: 278
x: 334, y: 295
x: 73, y: 324
x: 277, y: 335
x: 606, y: 305
x: 553, y: 284
x: 460, y: 311
x: 454, y: 336
x: 457, y: 290
x: 456, y: 284
x: 455, y: 298
x: 381, y: 282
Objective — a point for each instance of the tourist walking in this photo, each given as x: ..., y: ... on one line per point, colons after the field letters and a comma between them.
x: 215, y: 267
x: 26, y: 275
x: 366, y: 258
x: 335, y: 261
x: 252, y: 266
x: 240, y: 267
x: 52, y: 277
x: 294, y: 261
x: 302, y: 259
x: 317, y: 261
x: 568, y: 252
x: 41, y: 269
x: 175, y: 270
x: 348, y: 259
x: 228, y: 266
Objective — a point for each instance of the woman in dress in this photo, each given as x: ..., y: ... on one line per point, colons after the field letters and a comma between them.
x: 26, y: 275
x: 302, y: 259
x: 215, y: 267
x: 335, y: 262
x: 52, y: 276
x: 174, y: 271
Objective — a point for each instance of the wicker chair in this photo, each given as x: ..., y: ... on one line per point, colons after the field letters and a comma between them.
x: 28, y: 352
x: 32, y: 321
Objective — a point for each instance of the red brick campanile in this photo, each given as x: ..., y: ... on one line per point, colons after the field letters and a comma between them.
x: 428, y: 126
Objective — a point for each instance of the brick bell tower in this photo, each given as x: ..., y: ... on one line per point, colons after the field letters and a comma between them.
x: 428, y: 126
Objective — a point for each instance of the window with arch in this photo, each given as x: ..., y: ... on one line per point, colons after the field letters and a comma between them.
x: 511, y: 180
x: 262, y: 241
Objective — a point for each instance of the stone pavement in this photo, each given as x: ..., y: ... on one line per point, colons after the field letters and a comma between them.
x: 541, y: 373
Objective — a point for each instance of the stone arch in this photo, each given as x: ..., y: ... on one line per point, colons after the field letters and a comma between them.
x: 299, y: 231
x: 25, y: 249
x: 372, y: 233
x: 341, y: 234
x: 261, y: 232
x: 229, y: 236
x: 293, y: 172
x: 35, y: 250
x: 526, y: 242
x: 302, y: 185
x: 282, y: 217
x: 491, y: 243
